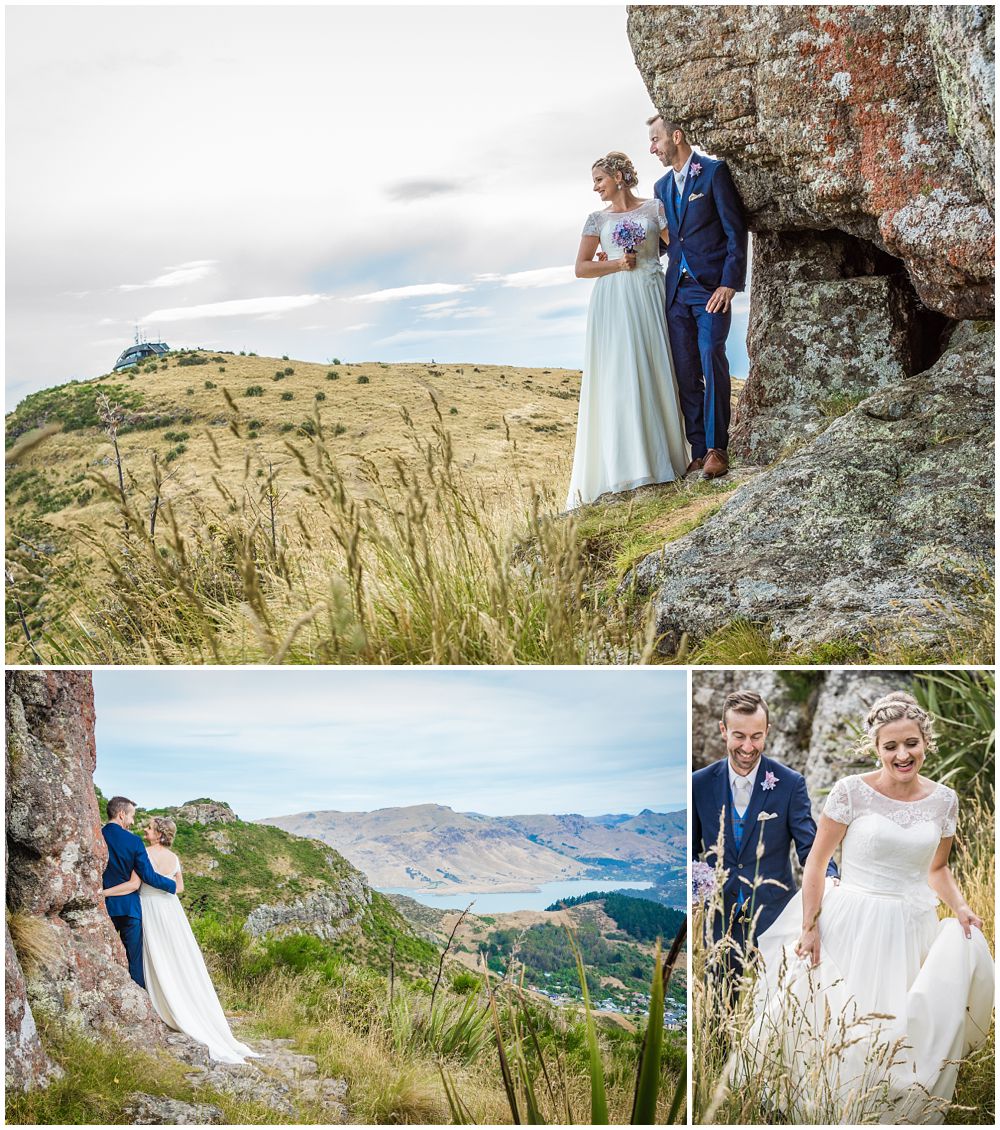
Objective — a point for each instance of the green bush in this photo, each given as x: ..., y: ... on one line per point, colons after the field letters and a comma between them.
x: 254, y: 390
x: 210, y: 384
x: 362, y: 379
x: 288, y: 396
x: 321, y: 395
x: 466, y: 982
x: 333, y: 376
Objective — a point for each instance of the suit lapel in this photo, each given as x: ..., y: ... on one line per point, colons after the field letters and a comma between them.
x: 669, y: 201
x: 721, y: 804
x: 757, y: 798
x: 688, y: 184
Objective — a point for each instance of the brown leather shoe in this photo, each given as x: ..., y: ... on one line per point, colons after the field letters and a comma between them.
x: 716, y: 463
x: 694, y: 465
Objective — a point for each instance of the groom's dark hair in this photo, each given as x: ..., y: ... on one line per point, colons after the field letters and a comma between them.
x: 744, y: 702
x: 118, y: 804
x: 669, y: 126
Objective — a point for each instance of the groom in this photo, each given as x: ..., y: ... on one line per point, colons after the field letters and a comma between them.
x: 707, y: 265
x: 747, y: 799
x: 127, y: 853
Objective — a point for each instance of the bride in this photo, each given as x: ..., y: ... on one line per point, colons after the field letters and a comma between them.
x: 867, y: 1000
x: 630, y: 430
x: 176, y: 978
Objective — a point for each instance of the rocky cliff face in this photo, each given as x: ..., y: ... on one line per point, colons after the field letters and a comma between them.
x: 861, y: 139
x: 816, y: 718
x: 73, y: 962
x: 874, y: 121
x: 875, y: 534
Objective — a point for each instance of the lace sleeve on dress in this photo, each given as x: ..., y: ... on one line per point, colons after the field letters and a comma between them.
x: 590, y: 227
x: 838, y: 803
x: 950, y: 822
x: 661, y: 215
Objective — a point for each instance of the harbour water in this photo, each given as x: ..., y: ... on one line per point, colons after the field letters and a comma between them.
x: 500, y: 902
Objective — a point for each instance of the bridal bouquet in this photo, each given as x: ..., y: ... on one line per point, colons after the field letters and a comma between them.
x: 628, y: 235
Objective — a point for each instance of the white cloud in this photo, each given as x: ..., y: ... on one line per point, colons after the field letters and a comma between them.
x: 412, y: 337
x: 446, y: 304
x: 541, y: 276
x: 417, y: 291
x: 453, y: 310
x: 236, y: 306
x: 177, y: 276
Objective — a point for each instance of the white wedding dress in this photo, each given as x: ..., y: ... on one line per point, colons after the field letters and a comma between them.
x: 176, y: 978
x: 630, y: 430
x: 875, y: 1030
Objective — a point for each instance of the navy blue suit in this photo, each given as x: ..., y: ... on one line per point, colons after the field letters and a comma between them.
x: 708, y: 227
x: 127, y: 853
x: 791, y: 822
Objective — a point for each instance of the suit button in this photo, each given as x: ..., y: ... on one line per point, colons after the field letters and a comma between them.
x: 682, y: 239
x: 740, y: 866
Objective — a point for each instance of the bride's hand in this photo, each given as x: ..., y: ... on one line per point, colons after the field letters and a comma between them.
x: 808, y: 946
x: 627, y: 261
x: 967, y: 920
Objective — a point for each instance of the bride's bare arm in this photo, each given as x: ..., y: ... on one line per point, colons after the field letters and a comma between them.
x: 829, y: 833
x: 588, y: 268
x: 126, y: 888
x: 942, y: 883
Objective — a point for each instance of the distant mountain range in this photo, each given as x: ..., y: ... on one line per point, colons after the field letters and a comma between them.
x: 430, y: 846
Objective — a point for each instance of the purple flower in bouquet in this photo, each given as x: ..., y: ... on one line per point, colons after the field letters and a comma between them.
x: 628, y: 235
x: 702, y: 881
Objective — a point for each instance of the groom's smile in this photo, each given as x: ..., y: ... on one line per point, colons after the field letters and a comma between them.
x: 745, y: 736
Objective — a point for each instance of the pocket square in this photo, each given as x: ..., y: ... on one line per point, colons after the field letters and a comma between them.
x: 695, y: 196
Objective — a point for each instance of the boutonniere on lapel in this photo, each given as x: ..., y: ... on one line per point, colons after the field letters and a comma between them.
x: 769, y: 782
x: 695, y: 169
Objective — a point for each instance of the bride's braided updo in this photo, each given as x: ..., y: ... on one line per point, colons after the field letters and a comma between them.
x: 165, y: 828
x: 891, y: 708
x: 615, y: 163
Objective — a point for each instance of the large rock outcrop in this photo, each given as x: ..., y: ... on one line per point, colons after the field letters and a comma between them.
x: 869, y: 535
x: 56, y: 858
x: 816, y: 718
x: 861, y: 139
x: 876, y: 121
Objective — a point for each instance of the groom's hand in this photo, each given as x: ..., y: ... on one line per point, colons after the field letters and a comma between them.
x: 721, y: 300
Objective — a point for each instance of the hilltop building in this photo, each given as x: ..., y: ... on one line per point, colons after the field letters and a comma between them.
x: 139, y: 351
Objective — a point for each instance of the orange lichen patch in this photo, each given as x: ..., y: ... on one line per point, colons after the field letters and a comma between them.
x: 865, y: 121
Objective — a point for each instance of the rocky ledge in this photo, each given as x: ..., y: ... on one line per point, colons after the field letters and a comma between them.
x: 877, y: 530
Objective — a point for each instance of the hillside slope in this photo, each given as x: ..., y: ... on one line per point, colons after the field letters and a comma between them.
x: 277, y: 885
x: 431, y: 846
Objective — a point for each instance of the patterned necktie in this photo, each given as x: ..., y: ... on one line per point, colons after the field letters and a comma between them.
x: 741, y: 795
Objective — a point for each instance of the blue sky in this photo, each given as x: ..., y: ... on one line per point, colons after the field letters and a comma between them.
x: 370, y: 183
x: 500, y: 742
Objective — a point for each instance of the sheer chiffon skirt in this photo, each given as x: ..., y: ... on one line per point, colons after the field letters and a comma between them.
x: 630, y: 430
x: 177, y: 980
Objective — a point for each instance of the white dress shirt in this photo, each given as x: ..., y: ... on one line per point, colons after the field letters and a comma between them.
x: 681, y: 177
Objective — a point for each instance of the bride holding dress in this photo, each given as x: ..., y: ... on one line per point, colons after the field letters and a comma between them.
x: 867, y: 1001
x: 630, y: 430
